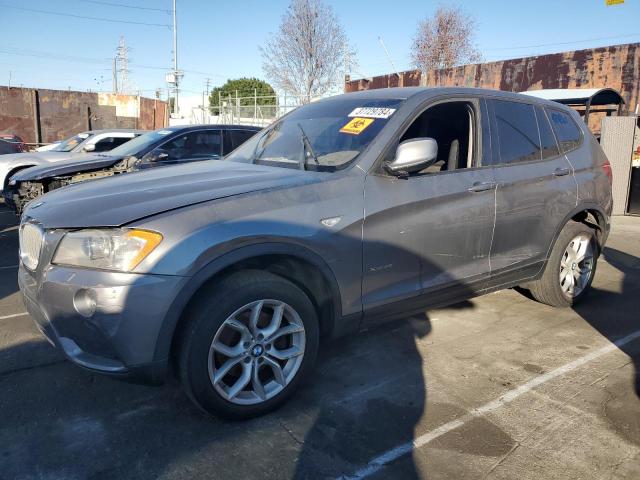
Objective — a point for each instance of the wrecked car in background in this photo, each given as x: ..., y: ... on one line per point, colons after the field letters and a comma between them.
x: 75, y: 147
x: 167, y: 146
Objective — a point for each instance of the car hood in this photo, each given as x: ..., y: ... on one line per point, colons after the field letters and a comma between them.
x: 40, y: 157
x: 122, y: 199
x: 73, y: 163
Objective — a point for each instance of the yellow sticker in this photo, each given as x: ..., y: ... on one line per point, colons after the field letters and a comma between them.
x: 613, y: 2
x: 357, y: 125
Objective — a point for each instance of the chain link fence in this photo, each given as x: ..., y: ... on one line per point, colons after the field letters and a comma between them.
x: 258, y: 110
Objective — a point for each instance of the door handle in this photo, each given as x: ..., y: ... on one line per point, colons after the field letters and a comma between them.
x: 559, y: 172
x: 482, y: 187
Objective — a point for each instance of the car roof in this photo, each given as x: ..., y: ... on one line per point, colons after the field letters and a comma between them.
x: 110, y: 130
x: 405, y: 93
x: 186, y: 128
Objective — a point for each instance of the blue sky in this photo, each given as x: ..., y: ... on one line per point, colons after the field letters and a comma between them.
x: 221, y: 40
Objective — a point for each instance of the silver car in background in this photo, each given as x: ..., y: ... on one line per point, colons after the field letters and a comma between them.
x: 93, y: 141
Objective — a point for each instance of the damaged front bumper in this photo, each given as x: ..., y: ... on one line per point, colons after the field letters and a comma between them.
x: 17, y: 195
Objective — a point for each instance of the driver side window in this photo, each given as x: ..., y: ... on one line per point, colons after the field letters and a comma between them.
x: 193, y: 146
x: 451, y: 125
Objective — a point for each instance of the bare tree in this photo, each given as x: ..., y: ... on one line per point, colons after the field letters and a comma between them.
x: 444, y: 40
x: 305, y: 57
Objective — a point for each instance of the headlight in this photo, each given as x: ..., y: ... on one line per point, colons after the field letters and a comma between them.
x: 108, y: 249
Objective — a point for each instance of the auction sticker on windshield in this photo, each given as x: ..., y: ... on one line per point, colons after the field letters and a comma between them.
x: 356, y: 126
x: 372, y: 112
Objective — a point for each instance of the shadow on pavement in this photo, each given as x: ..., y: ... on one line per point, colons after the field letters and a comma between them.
x: 616, y: 315
x: 365, y: 397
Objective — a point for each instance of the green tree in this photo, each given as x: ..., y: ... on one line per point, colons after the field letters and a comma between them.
x: 246, y: 89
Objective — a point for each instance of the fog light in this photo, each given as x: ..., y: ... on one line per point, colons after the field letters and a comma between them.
x: 84, y: 301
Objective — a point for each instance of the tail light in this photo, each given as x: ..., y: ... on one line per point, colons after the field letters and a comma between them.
x: 606, y: 166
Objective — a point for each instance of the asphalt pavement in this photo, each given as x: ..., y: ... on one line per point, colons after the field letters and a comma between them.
x: 499, y: 387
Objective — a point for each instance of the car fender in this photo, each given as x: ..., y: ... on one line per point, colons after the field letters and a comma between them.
x: 582, y: 206
x: 192, y: 284
x: 6, y: 171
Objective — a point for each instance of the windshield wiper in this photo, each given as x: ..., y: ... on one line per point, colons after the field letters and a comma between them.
x: 308, y: 149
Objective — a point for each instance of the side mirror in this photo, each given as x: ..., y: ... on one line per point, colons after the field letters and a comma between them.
x: 412, y: 156
x: 157, y: 155
x: 89, y: 148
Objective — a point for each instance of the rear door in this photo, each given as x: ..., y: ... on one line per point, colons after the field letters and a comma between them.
x: 536, y: 186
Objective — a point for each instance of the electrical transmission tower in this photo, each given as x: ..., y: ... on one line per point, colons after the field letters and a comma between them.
x: 122, y: 67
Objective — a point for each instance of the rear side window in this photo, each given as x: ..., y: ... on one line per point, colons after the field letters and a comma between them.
x: 237, y: 138
x: 547, y: 140
x: 567, y: 131
x: 109, y: 143
x: 518, y: 139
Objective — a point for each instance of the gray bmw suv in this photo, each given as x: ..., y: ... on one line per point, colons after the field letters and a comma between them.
x: 348, y: 211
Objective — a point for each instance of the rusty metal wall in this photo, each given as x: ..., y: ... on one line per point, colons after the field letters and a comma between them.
x: 16, y: 112
x: 58, y: 114
x: 617, y: 66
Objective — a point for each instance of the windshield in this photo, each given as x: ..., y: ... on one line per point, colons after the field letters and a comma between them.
x: 71, y: 143
x: 139, y: 144
x: 324, y: 136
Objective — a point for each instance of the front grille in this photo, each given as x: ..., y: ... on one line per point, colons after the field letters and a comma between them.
x: 30, y: 245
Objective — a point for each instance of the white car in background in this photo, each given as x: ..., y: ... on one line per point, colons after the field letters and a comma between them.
x: 49, y: 146
x: 93, y: 141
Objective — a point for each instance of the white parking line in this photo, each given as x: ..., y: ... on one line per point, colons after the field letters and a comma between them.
x: 14, y: 315
x: 389, y: 456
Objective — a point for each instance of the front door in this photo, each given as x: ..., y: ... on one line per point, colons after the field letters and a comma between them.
x: 431, y: 232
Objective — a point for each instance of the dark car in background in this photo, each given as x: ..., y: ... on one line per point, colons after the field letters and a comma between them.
x: 7, y: 147
x: 346, y: 212
x: 167, y: 146
x: 16, y: 144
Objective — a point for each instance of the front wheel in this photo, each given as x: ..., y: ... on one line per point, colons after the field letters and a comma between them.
x: 570, y: 268
x: 249, y: 341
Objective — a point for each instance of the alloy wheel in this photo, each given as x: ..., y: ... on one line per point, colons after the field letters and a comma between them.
x: 576, y: 265
x: 256, y: 352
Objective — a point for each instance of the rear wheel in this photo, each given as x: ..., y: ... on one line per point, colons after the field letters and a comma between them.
x: 570, y: 269
x: 248, y: 343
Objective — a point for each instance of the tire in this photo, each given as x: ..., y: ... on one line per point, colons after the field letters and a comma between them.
x: 550, y: 288
x: 223, y: 312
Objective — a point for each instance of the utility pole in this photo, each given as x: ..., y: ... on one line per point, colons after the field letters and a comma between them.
x: 205, y: 101
x: 175, y: 59
x: 115, y: 77
x: 347, y: 63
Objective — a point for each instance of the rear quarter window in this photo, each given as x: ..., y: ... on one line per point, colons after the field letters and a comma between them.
x: 518, y: 138
x: 547, y: 139
x: 568, y: 133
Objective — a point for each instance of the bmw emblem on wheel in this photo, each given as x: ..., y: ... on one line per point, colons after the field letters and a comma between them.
x: 257, y: 350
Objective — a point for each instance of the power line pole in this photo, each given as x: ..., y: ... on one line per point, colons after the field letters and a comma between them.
x: 205, y: 101
x: 115, y: 76
x: 175, y: 60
